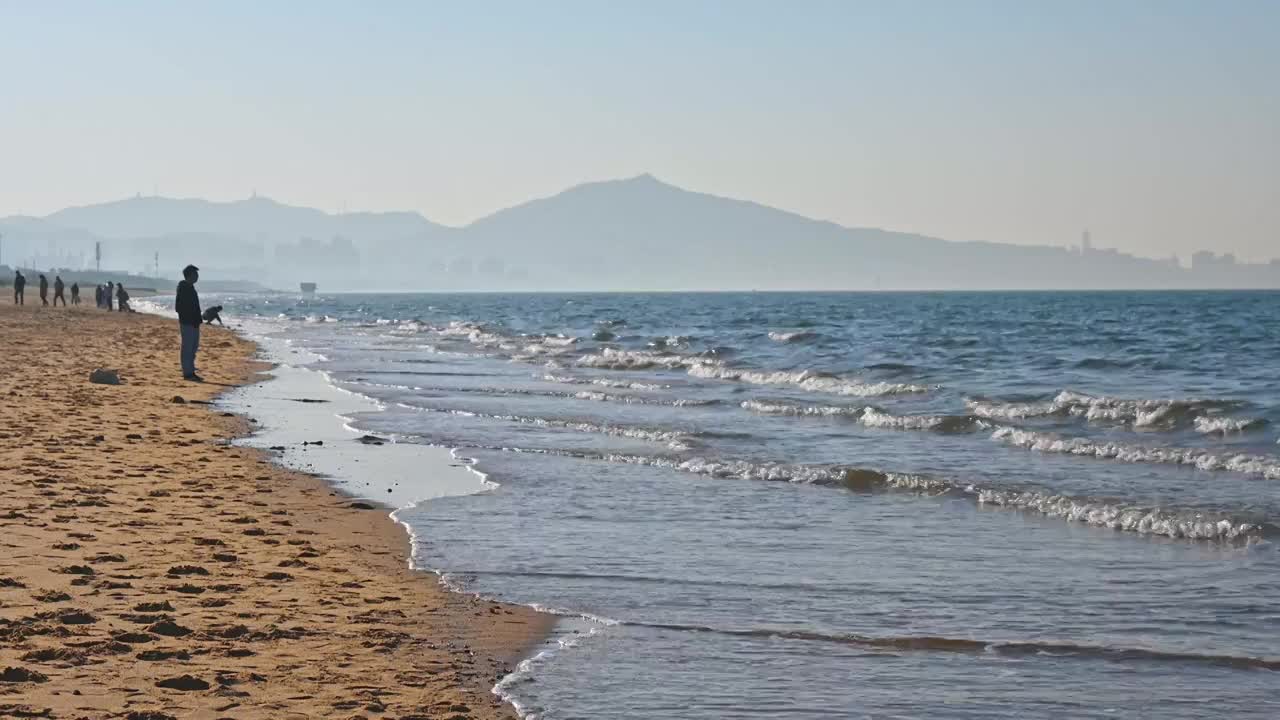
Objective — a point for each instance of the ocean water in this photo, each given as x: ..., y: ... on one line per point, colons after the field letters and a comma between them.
x: 986, y: 505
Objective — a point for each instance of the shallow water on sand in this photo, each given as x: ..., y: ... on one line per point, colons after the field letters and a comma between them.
x: 881, y: 505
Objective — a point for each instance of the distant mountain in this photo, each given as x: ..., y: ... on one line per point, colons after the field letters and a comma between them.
x: 142, y: 217
x: 643, y: 233
x: 637, y: 233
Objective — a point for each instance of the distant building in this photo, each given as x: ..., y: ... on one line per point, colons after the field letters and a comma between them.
x: 1205, y: 260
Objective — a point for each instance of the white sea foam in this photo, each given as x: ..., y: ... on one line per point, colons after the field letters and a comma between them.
x: 1146, y: 521
x: 1139, y: 413
x: 1258, y: 465
x: 868, y: 416
x: 1221, y: 425
x: 1168, y: 522
x: 615, y: 359
x: 805, y: 380
x: 635, y: 400
x: 603, y: 382
x: 793, y: 336
x: 775, y: 408
x: 676, y: 440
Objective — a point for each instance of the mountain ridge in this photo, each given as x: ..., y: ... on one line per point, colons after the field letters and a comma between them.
x: 637, y: 232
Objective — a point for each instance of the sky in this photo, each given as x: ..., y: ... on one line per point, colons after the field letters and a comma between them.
x: 1154, y: 124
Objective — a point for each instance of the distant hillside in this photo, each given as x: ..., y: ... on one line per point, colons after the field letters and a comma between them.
x: 638, y: 233
x: 255, y: 217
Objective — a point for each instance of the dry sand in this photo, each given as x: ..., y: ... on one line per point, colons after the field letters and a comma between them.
x: 150, y: 570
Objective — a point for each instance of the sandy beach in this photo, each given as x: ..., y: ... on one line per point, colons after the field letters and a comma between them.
x: 149, y: 569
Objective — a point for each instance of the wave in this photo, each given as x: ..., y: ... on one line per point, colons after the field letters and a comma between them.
x: 522, y: 392
x: 939, y: 423
x: 1257, y: 465
x: 1221, y: 425
x: 675, y: 439
x: 615, y: 359
x: 764, y: 407
x: 703, y: 367
x: 604, y: 382
x: 1147, y: 414
x: 870, y: 416
x: 634, y: 400
x: 1095, y: 363
x: 1114, y: 514
x: 933, y: 643
x: 794, y: 336
x: 806, y: 380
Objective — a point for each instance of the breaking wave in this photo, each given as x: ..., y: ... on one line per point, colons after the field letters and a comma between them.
x: 675, y: 439
x: 1221, y: 425
x: 805, y: 380
x: 1257, y: 465
x: 763, y: 407
x: 615, y: 359
x: 604, y: 382
x: 1114, y: 514
x: 870, y: 416
x: 794, y: 336
x: 1149, y: 414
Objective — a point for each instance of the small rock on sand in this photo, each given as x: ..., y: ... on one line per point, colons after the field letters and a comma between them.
x: 102, y: 376
x: 21, y: 675
x: 183, y: 682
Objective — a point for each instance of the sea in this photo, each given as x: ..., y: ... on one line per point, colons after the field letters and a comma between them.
x: 862, y: 505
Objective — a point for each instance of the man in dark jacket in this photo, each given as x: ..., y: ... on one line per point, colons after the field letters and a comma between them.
x: 58, y: 287
x: 44, y: 290
x: 19, y: 285
x: 188, y: 306
x: 75, y: 294
x: 107, y: 295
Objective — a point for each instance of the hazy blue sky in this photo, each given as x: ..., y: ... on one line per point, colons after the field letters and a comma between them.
x: 1155, y: 124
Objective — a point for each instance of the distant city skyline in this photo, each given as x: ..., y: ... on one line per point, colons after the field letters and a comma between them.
x: 1151, y: 124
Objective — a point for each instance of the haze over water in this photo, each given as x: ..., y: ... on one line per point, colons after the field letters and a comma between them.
x: 885, y: 505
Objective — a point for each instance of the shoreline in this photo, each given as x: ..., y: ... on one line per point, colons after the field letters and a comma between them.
x: 263, y: 589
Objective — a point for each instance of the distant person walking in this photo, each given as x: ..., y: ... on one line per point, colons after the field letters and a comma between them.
x: 44, y: 290
x: 189, y: 319
x: 19, y: 288
x: 122, y: 299
x: 106, y: 296
x: 97, y: 296
x: 75, y: 294
x: 58, y: 287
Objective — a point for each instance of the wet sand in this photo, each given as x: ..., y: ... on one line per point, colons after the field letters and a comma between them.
x: 149, y: 569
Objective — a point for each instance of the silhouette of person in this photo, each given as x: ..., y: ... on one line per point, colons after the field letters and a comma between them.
x: 19, y: 288
x: 44, y: 290
x: 57, y: 291
x: 97, y: 296
x: 187, y: 304
x: 75, y: 294
x: 122, y: 299
x: 106, y: 296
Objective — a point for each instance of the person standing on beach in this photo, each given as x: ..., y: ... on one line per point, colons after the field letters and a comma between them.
x: 19, y: 287
x: 106, y: 295
x: 75, y: 294
x: 189, y: 320
x: 97, y: 296
x: 57, y: 291
x: 44, y: 290
x: 122, y: 299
